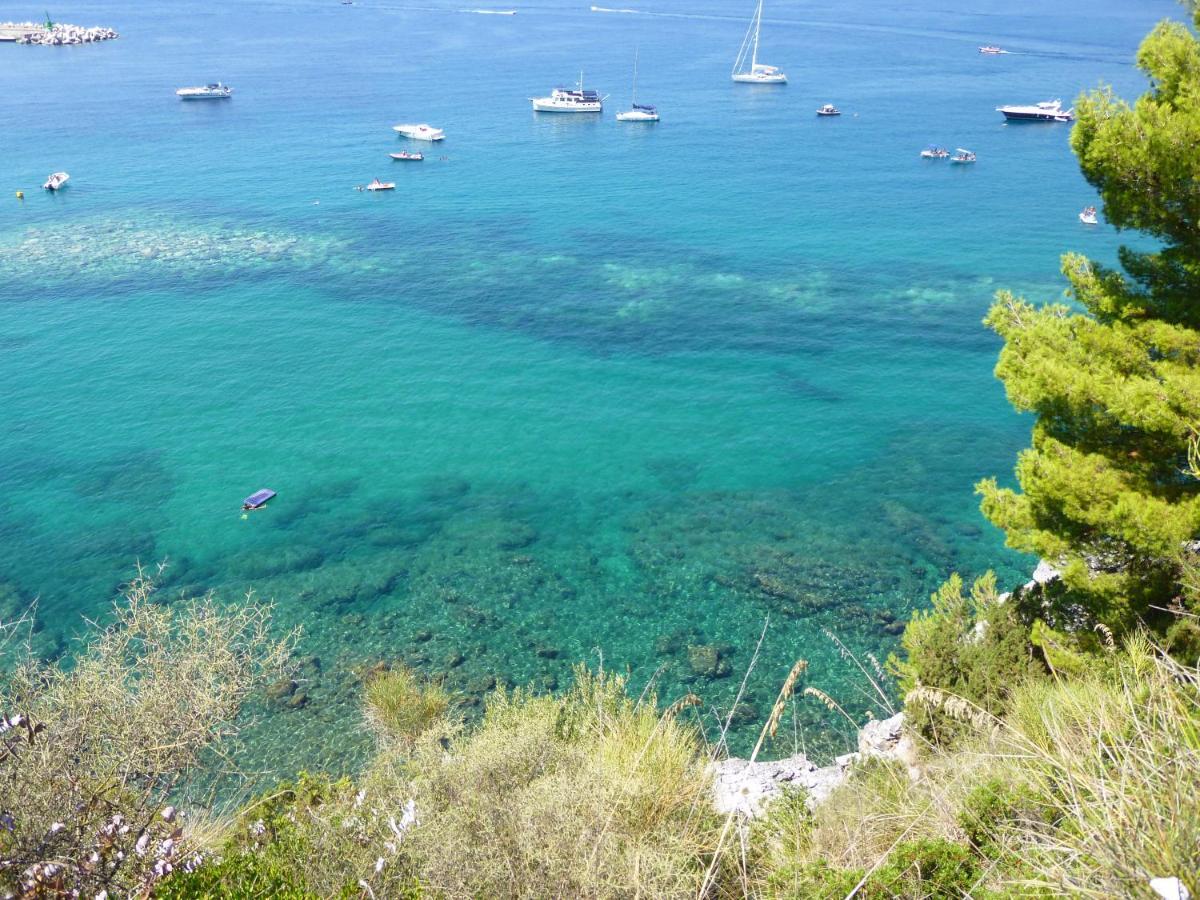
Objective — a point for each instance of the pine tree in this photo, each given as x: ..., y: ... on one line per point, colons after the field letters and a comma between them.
x: 1106, y: 491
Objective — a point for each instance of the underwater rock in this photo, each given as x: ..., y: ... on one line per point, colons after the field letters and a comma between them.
x: 298, y: 700
x: 444, y: 488
x: 453, y: 659
x: 481, y: 684
x: 707, y: 661
x: 547, y: 652
x: 423, y: 636
x: 745, y: 713
x: 673, y: 643
x: 310, y: 663
x: 279, y: 691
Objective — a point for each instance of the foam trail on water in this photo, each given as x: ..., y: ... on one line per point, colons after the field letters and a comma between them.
x: 491, y: 12
x: 605, y: 9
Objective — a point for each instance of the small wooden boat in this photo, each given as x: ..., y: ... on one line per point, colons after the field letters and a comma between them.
x: 55, y: 181
x: 407, y: 156
x: 378, y: 185
x: 829, y: 110
x: 258, y: 499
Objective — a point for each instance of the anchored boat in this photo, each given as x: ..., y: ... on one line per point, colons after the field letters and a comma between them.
x: 640, y: 112
x: 407, y: 156
x: 420, y: 132
x: 214, y: 91
x: 55, y: 181
x: 758, y: 73
x: 258, y: 499
x: 1047, y: 111
x: 564, y: 100
x: 829, y: 110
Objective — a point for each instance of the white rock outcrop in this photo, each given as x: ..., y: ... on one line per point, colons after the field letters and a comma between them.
x: 748, y: 788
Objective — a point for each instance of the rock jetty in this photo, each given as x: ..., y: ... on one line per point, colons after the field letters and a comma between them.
x: 57, y: 35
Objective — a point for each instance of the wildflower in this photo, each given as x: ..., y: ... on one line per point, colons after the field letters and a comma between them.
x: 57, y: 827
x: 168, y: 814
x: 142, y: 843
x: 379, y: 864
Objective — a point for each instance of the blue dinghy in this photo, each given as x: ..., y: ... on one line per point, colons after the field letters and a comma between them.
x: 258, y: 499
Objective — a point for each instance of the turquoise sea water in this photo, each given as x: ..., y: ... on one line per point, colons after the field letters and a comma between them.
x: 580, y: 389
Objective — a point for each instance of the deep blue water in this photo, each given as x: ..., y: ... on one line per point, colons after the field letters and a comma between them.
x: 580, y: 389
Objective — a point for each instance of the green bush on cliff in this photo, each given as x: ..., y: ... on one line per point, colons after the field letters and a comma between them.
x: 974, y: 646
x: 92, y: 752
x: 1105, y: 489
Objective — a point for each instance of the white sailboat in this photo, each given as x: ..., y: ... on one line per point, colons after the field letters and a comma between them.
x: 758, y: 73
x: 638, y: 112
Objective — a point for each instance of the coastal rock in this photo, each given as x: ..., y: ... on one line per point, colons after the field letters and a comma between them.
x: 748, y: 788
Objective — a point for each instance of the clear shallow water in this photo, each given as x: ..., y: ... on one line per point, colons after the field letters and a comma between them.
x: 580, y: 389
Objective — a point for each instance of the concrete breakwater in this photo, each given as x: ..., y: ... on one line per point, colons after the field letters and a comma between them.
x: 57, y: 35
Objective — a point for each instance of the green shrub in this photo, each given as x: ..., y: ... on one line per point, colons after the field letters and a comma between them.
x: 972, y: 647
x: 242, y: 874
x: 402, y: 706
x: 933, y: 868
x: 812, y: 881
x: 92, y: 752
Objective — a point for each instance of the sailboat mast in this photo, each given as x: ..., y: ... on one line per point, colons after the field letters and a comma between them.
x: 635, y: 62
x: 757, y: 27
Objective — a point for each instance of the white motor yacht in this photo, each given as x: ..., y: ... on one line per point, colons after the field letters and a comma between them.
x: 55, y: 181
x: 829, y: 110
x: 992, y: 50
x: 215, y: 91
x: 1047, y: 111
x: 757, y: 73
x: 420, y: 132
x: 564, y: 100
x: 639, y: 112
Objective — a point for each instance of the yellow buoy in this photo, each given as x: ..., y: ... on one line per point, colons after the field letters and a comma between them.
x: 20, y: 195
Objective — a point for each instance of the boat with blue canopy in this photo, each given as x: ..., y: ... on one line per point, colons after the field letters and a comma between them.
x: 258, y: 499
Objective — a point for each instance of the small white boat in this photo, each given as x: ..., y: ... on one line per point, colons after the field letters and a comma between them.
x: 758, y: 73
x: 1047, y: 111
x: 829, y: 110
x: 407, y: 156
x: 933, y: 151
x: 378, y: 185
x: 420, y: 132
x: 564, y: 100
x: 1088, y: 216
x: 214, y: 91
x: 639, y: 112
x: 991, y: 50
x: 962, y: 156
x: 57, y: 180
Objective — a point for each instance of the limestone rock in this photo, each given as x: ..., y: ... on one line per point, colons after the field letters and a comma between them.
x: 748, y: 788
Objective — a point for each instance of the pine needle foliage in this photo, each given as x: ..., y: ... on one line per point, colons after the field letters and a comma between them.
x: 1115, y: 381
